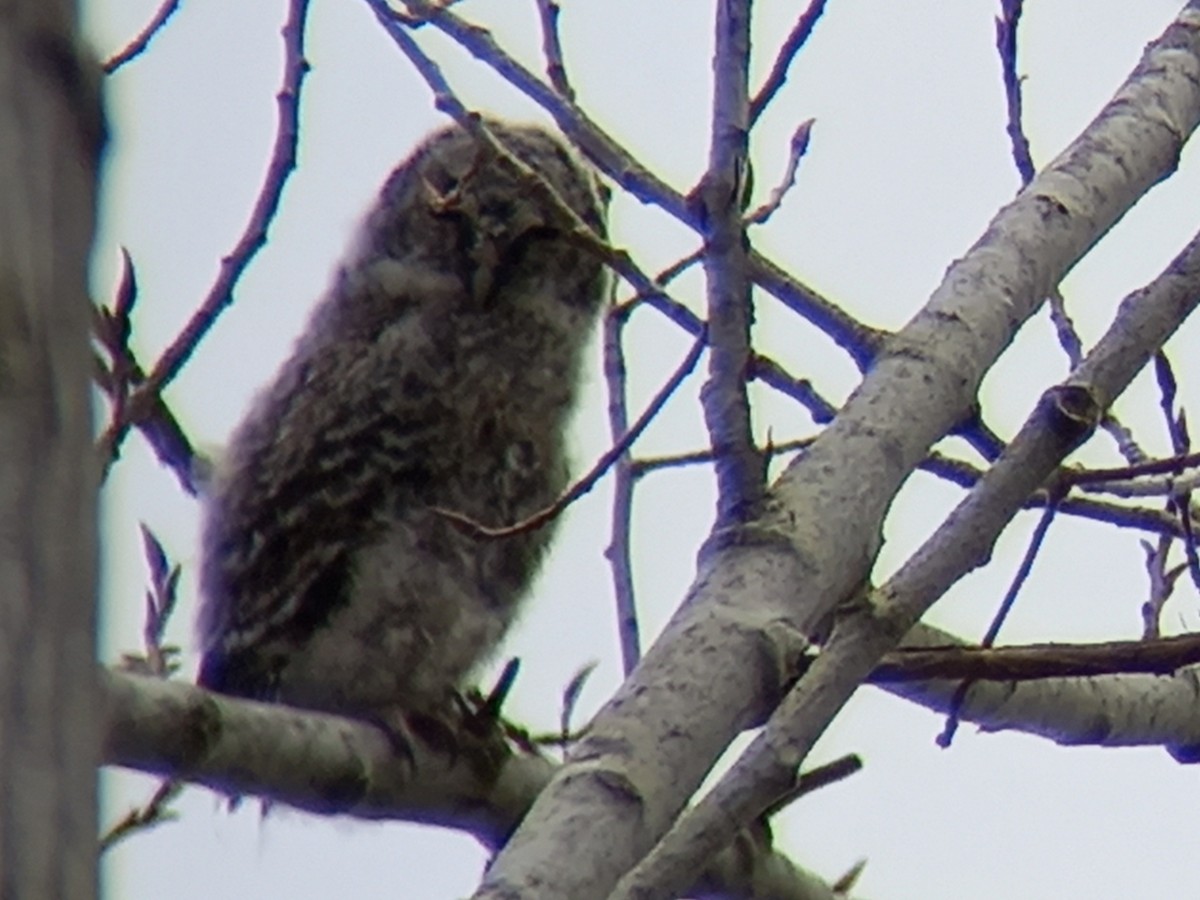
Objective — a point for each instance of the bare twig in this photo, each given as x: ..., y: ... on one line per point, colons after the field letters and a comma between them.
x: 1162, y: 585
x: 1163, y: 485
x: 1180, y: 500
x: 602, y: 465
x: 792, y: 45
x: 1068, y: 337
x: 548, y: 11
x: 964, y: 474
x: 618, y: 163
x: 769, y: 372
x: 1172, y: 465
x: 799, y: 146
x: 1034, y: 662
x: 170, y: 443
x: 447, y: 101
x: 122, y: 373
x: 662, y: 279
x: 815, y: 779
x: 138, y: 45
x: 1010, y: 598
x: 1127, y: 445
x: 619, y: 552
x: 220, y: 295
x: 570, y: 697
x: 1006, y: 44
x: 155, y: 811
x: 650, y: 464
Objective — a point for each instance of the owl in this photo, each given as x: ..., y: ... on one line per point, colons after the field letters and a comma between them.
x: 436, y: 376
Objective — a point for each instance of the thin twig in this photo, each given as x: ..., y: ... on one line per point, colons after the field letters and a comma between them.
x: 1068, y: 339
x: 572, y: 226
x: 138, y: 45
x: 253, y: 238
x: 619, y: 551
x: 815, y: 779
x: 980, y: 436
x: 1006, y: 605
x: 1127, y: 445
x: 769, y: 372
x: 1006, y: 44
x: 792, y: 45
x: 602, y: 465
x: 1180, y: 501
x: 859, y: 340
x: 1035, y: 662
x: 662, y: 279
x: 1172, y: 465
x: 1064, y: 328
x: 122, y: 373
x: 650, y: 464
x: 1171, y: 486
x: 797, y: 149
x: 155, y: 811
x: 1162, y: 585
x: 963, y: 474
x: 548, y: 11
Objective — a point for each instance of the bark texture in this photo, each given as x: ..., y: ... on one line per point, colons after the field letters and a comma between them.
x: 50, y: 135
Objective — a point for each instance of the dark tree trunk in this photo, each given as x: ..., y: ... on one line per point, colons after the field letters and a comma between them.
x: 50, y: 135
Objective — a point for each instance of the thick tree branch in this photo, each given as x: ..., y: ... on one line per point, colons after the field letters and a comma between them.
x: 1118, y: 710
x: 334, y: 766
x: 739, y: 466
x: 869, y: 626
x: 758, y: 592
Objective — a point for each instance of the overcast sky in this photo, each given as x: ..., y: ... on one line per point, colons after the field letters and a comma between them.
x: 908, y: 162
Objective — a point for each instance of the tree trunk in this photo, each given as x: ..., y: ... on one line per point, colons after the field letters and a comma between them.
x: 50, y: 135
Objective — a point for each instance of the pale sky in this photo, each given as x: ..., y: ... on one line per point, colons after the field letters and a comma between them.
x: 909, y: 160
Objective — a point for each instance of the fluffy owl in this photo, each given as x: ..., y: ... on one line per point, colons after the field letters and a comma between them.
x: 437, y: 374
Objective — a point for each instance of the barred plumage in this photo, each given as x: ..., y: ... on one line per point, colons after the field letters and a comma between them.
x: 438, y: 372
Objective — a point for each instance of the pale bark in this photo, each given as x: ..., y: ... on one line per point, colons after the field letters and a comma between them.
x: 1124, y: 710
x: 875, y: 622
x: 334, y: 766
x: 761, y: 587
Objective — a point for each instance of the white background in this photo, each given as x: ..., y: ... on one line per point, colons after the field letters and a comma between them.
x: 909, y: 161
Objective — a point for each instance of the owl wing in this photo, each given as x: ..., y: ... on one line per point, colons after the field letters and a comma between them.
x: 341, y: 440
